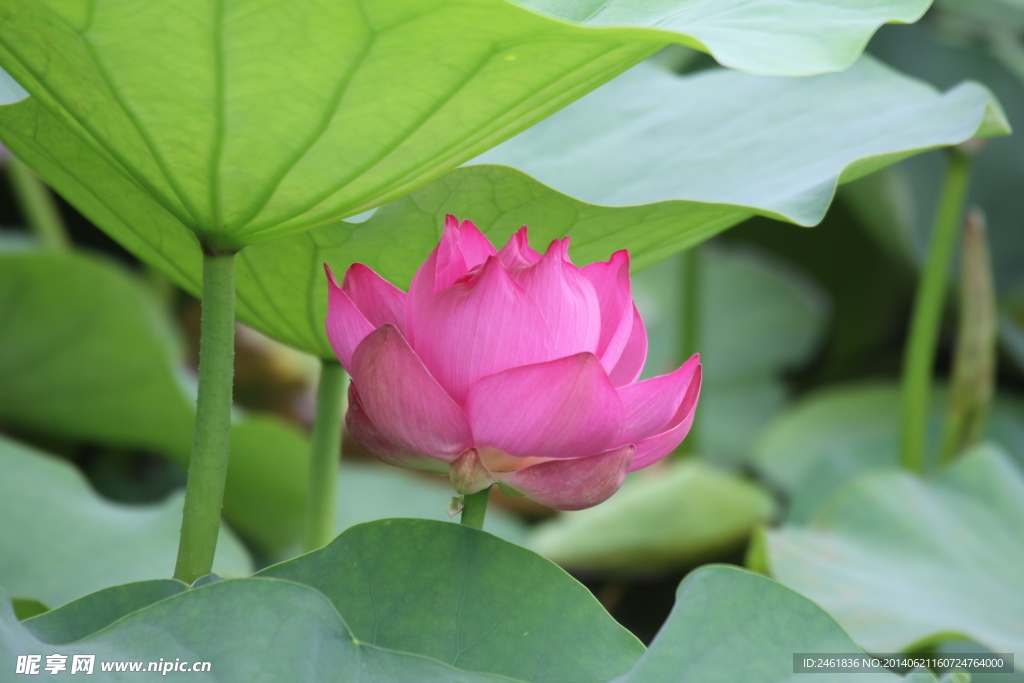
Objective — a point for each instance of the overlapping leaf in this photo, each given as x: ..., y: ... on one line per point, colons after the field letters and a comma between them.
x: 422, y: 616
x: 492, y: 606
x: 280, y: 286
x: 244, y: 125
x: 594, y: 149
x: 418, y: 601
x: 721, y: 612
x: 901, y: 562
x: 61, y: 540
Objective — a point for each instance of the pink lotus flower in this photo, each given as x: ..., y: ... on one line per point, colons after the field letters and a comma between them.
x: 507, y: 367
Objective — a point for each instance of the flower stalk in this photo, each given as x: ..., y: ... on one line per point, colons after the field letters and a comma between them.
x: 325, y: 456
x: 475, y: 508
x: 211, y: 437
x: 919, y: 354
x: 974, y: 359
x: 37, y: 205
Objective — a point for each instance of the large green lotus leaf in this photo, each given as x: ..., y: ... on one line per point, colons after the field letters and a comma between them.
x: 281, y: 290
x: 248, y: 629
x: 730, y: 626
x: 246, y: 123
x: 776, y: 146
x: 467, y: 599
x: 677, y: 515
x: 62, y: 540
x: 900, y: 561
x: 832, y: 436
x: 757, y: 318
x: 262, y: 628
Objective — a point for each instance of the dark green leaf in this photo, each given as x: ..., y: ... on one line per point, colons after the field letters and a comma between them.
x: 465, y: 598
x: 250, y: 629
x: 730, y: 626
x: 87, y: 615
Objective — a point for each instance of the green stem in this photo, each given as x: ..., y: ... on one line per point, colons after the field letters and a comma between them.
x: 211, y: 437
x: 38, y: 205
x: 325, y: 456
x: 919, y: 355
x: 690, y: 324
x: 475, y: 508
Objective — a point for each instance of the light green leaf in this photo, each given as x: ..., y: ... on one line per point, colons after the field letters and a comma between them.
x: 761, y: 36
x: 900, y: 561
x: 776, y: 146
x: 467, y: 599
x: 242, y: 125
x: 729, y: 625
x: 62, y: 541
x: 832, y: 436
x: 680, y: 515
x: 281, y: 290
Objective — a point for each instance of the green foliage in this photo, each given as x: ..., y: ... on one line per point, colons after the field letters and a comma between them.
x: 805, y: 153
x: 62, y: 541
x: 412, y: 600
x: 275, y: 125
x: 744, y: 296
x: 901, y: 561
x: 414, y: 604
x: 95, y: 611
x: 679, y: 515
x: 491, y: 606
x: 777, y: 147
x: 832, y: 436
x: 730, y: 625
x: 249, y: 629
x: 86, y: 354
x: 972, y: 50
